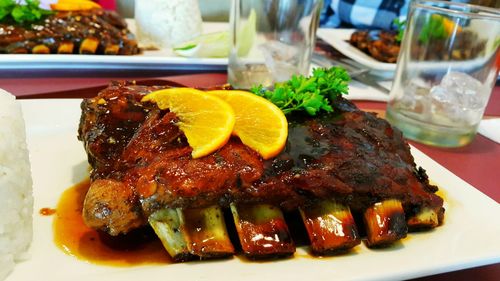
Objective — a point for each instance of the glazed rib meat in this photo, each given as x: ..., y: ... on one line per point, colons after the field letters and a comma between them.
x: 380, y: 44
x: 141, y: 163
x: 95, y: 31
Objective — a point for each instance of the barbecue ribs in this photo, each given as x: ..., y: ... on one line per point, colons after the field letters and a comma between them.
x: 95, y: 31
x: 380, y: 44
x: 141, y: 163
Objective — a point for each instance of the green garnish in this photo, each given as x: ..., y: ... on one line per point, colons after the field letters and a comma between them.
x: 433, y: 28
x: 22, y: 13
x: 310, y: 94
x: 497, y: 43
x: 185, y: 48
x: 401, y: 25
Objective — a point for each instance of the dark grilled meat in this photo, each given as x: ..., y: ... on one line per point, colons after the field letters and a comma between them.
x: 350, y: 156
x: 379, y: 44
x: 94, y: 31
x: 382, y: 46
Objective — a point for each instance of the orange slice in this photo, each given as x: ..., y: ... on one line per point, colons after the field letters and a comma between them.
x: 74, y: 5
x: 450, y: 26
x: 260, y: 124
x: 206, y: 120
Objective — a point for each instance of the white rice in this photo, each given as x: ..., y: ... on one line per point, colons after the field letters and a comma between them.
x: 16, y: 198
x: 165, y: 23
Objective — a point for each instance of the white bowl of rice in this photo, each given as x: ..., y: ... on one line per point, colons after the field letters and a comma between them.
x: 162, y: 24
x: 16, y: 197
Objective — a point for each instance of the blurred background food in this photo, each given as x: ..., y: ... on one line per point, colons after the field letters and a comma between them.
x: 69, y: 27
x: 218, y: 10
x: 211, y: 10
x: 162, y: 24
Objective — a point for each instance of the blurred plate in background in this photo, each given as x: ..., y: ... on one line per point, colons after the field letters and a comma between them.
x: 339, y: 39
x: 163, y: 59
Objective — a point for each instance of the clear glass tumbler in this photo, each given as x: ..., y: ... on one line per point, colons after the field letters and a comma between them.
x: 271, y: 40
x: 447, y: 68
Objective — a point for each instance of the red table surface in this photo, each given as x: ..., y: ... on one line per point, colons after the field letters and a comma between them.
x: 477, y: 163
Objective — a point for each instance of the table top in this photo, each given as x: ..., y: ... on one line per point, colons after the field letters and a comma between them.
x: 475, y: 163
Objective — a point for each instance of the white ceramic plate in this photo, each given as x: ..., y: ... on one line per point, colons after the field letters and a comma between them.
x: 338, y: 38
x: 163, y: 59
x: 468, y: 238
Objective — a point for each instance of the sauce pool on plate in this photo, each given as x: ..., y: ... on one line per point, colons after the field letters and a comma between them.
x: 47, y: 211
x: 74, y: 238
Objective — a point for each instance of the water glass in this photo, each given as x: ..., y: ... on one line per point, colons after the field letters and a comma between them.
x: 446, y: 70
x: 271, y: 40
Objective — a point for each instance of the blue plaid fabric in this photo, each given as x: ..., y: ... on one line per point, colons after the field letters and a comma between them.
x: 372, y: 14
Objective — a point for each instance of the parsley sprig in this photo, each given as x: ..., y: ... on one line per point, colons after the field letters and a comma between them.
x: 433, y: 28
x: 401, y: 26
x: 310, y: 94
x: 28, y: 12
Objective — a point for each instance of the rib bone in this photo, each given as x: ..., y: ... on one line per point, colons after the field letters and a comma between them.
x: 262, y: 231
x: 112, y: 49
x: 330, y: 226
x: 425, y: 218
x: 205, y: 232
x: 40, y: 49
x: 65, y: 48
x: 166, y: 224
x: 89, y: 46
x: 385, y: 223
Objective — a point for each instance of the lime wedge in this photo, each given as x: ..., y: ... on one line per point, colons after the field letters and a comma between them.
x: 211, y: 45
x: 217, y: 45
x: 247, y: 34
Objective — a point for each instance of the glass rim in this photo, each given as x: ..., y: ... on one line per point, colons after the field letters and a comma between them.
x: 491, y: 13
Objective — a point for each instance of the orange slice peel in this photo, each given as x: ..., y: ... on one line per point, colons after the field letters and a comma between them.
x: 74, y: 5
x: 260, y: 124
x: 206, y: 121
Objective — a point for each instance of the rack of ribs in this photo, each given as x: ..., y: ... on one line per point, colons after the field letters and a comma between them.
x: 95, y: 31
x: 380, y: 44
x: 348, y: 174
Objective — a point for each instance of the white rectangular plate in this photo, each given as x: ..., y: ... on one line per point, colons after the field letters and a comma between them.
x: 339, y: 39
x: 468, y: 238
x: 163, y: 59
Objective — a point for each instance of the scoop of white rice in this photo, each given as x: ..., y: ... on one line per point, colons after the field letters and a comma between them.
x: 16, y: 199
x: 162, y: 24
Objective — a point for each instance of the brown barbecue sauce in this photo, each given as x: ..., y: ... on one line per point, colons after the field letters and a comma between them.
x: 74, y: 238
x: 47, y: 211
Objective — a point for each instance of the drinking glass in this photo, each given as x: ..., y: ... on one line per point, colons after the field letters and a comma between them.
x: 271, y: 40
x: 446, y: 70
